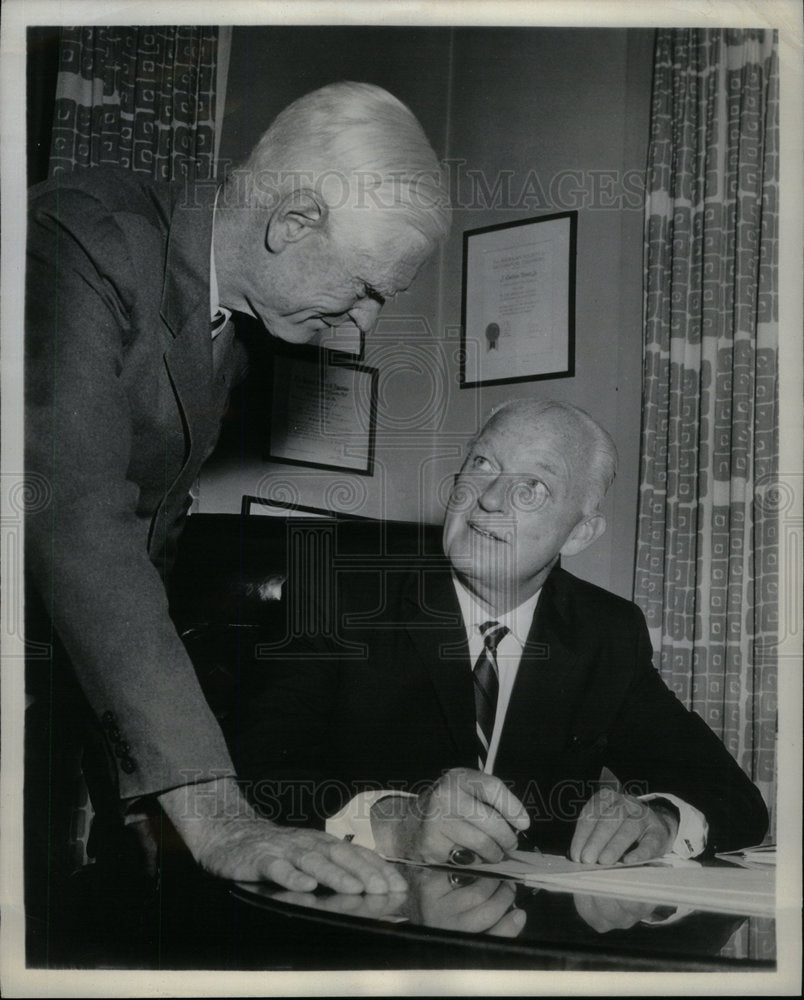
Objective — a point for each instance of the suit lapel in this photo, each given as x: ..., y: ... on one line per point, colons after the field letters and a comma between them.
x: 436, y: 630
x: 185, y: 309
x: 548, y: 685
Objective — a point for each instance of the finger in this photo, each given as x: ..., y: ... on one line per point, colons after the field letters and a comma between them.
x: 622, y: 916
x: 609, y: 812
x: 468, y: 833
x: 510, y: 926
x: 585, y: 824
x: 384, y: 906
x: 344, y: 903
x: 374, y: 874
x: 496, y: 793
x: 434, y: 845
x: 602, y: 832
x: 296, y: 898
x: 492, y: 825
x: 652, y: 845
x: 588, y: 909
x: 439, y: 840
x: 285, y: 874
x: 485, y: 915
x: 467, y: 897
x: 624, y: 837
x: 393, y: 877
x: 327, y: 872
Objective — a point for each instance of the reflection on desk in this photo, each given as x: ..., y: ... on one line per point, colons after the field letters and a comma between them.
x: 538, y: 917
x: 184, y: 919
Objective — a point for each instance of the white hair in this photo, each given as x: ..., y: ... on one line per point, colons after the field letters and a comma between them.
x: 586, y: 431
x: 354, y: 143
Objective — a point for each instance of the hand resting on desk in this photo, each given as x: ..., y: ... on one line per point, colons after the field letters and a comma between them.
x: 615, y: 827
x: 228, y: 839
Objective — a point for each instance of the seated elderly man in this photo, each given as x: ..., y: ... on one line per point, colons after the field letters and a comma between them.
x: 476, y: 703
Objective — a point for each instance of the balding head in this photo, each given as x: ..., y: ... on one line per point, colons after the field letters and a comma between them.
x: 333, y: 213
x: 592, y: 450
x: 528, y: 492
x: 360, y: 147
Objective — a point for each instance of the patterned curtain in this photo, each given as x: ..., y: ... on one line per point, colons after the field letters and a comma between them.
x: 706, y: 573
x: 142, y: 98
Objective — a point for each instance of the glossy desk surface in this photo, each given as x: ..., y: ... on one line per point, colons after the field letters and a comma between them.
x: 449, y: 920
x: 490, y: 914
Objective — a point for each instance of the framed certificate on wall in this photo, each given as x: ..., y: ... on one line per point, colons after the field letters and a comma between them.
x: 323, y: 411
x: 518, y: 308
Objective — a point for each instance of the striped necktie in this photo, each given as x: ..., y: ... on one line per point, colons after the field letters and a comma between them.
x: 486, y: 687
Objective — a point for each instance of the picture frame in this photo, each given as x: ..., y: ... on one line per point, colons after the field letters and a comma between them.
x: 518, y: 304
x: 345, y: 338
x: 323, y: 410
x: 251, y: 506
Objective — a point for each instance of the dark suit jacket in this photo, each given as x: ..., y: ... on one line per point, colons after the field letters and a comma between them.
x: 122, y: 409
x: 386, y: 700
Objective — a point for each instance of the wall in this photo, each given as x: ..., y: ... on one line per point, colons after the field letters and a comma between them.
x: 565, y: 112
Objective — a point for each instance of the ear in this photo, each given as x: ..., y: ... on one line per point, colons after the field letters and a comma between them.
x: 583, y: 534
x: 298, y: 214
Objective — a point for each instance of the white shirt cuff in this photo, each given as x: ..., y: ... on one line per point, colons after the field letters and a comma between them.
x: 353, y: 822
x: 692, y: 826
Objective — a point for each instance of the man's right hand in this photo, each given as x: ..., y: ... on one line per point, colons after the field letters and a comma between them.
x: 464, y: 808
x: 227, y: 838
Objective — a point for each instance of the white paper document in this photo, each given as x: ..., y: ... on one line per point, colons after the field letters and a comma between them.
x: 718, y: 890
x: 670, y: 880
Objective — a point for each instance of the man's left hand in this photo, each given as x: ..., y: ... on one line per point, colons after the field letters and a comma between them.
x: 615, y: 827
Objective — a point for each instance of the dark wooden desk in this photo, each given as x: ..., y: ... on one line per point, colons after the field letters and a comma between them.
x: 186, y: 920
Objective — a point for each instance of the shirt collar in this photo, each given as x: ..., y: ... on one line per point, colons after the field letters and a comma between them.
x: 518, y: 620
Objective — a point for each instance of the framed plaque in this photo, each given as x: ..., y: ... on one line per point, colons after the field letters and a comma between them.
x: 518, y: 309
x: 323, y: 411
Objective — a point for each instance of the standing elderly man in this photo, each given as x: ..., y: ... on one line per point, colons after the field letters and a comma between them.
x: 492, y: 690
x: 130, y: 359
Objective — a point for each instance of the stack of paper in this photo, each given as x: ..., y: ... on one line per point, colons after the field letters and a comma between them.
x: 748, y: 890
x: 716, y: 889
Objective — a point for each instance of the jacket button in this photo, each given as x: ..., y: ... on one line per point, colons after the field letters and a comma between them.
x: 108, y: 719
x: 128, y: 765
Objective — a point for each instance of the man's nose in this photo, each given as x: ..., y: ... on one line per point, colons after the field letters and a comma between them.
x: 494, y: 494
x: 364, y: 314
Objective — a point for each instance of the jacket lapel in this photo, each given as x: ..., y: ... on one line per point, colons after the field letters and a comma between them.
x: 548, y: 685
x: 185, y: 310
x: 436, y: 630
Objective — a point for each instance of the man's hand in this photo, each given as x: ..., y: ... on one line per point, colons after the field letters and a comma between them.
x: 373, y: 907
x: 615, y: 827
x: 464, y: 808
x: 228, y: 839
x: 605, y: 913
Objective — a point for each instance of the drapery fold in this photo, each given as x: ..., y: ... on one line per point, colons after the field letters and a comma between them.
x: 137, y: 97
x: 706, y: 573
